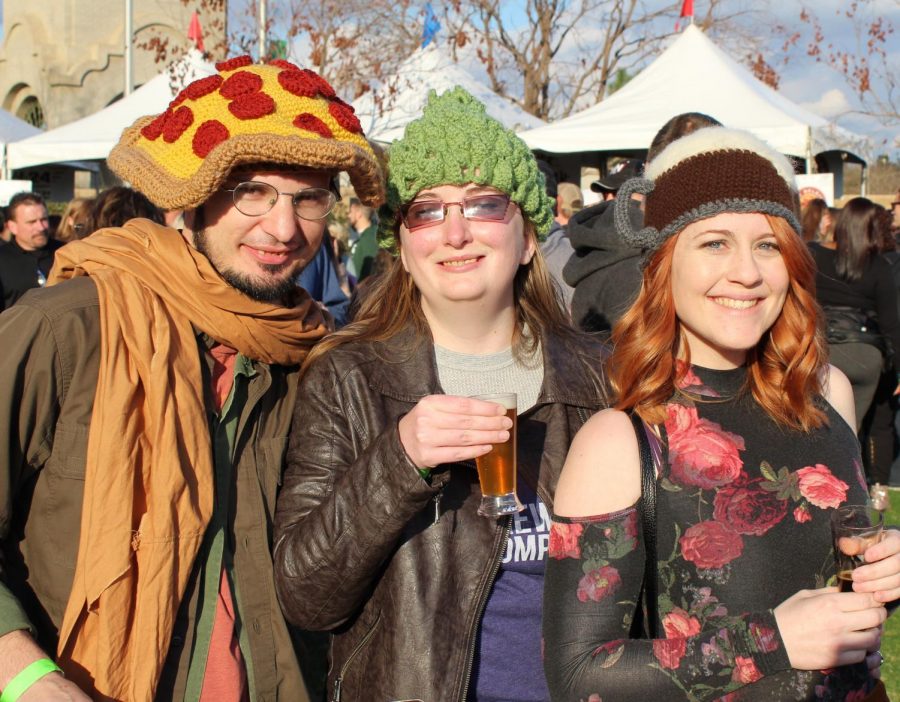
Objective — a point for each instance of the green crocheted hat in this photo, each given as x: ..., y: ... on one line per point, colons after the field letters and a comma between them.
x: 455, y: 142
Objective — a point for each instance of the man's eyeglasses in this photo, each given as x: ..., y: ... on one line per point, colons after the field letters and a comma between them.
x: 478, y: 208
x: 254, y: 198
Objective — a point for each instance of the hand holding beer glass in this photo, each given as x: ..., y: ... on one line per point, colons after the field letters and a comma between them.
x: 497, y: 469
x: 854, y: 528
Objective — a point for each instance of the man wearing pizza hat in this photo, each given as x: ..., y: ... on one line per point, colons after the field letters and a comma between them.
x: 146, y: 397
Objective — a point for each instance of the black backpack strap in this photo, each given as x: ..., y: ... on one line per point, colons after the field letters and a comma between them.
x: 648, y: 519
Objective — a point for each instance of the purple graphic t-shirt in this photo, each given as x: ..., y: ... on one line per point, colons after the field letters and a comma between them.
x: 508, y: 664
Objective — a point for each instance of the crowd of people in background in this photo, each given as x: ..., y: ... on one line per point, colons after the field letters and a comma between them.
x: 858, y: 288
x: 241, y: 410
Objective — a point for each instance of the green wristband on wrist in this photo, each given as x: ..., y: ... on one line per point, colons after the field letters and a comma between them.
x: 27, y: 677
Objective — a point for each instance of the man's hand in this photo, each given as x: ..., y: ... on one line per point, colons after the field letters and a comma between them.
x: 53, y: 687
x: 17, y: 651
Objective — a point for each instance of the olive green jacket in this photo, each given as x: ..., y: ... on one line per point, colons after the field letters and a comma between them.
x: 48, y: 376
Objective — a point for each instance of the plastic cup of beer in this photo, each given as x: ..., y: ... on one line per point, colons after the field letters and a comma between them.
x: 853, y: 529
x: 497, y: 469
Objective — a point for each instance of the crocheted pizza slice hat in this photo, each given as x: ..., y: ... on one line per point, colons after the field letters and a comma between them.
x: 711, y: 171
x: 245, y: 113
x: 455, y: 142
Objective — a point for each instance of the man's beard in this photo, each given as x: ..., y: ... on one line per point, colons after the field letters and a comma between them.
x: 277, y: 290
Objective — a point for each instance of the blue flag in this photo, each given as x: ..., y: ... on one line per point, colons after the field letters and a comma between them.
x: 431, y: 25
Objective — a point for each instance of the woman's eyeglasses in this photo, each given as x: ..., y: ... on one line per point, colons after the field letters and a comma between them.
x: 478, y: 208
x: 254, y: 198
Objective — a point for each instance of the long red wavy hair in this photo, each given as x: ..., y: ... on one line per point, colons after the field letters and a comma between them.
x: 786, y: 369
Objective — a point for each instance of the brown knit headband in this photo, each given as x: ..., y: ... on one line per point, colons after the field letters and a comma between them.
x: 712, y: 171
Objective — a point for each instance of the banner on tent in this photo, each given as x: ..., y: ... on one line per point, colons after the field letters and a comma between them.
x: 8, y: 188
x: 816, y: 185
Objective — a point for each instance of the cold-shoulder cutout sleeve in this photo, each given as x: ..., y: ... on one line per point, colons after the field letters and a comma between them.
x: 595, y: 569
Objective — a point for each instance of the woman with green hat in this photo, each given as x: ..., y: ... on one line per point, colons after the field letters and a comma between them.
x: 380, y: 529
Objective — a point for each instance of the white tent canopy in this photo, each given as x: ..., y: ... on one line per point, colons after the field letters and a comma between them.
x: 693, y: 75
x: 385, y: 112
x: 12, y: 128
x: 94, y: 136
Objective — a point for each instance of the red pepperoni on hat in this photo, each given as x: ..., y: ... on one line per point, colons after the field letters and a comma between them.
x: 298, y: 83
x: 153, y: 130
x: 177, y: 124
x: 202, y: 88
x: 252, y: 106
x: 208, y: 136
x: 241, y: 83
x: 311, y: 123
x: 281, y: 63
x: 323, y: 84
x: 344, y: 115
x: 232, y: 64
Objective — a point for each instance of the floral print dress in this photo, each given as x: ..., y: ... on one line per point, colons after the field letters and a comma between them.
x: 743, y: 509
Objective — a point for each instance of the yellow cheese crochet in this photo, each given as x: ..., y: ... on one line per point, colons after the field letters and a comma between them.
x: 245, y: 113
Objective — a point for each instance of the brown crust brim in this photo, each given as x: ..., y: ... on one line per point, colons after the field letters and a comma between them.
x: 172, y: 193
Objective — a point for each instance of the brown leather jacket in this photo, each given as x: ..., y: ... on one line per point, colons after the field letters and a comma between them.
x: 398, y: 567
x: 48, y: 377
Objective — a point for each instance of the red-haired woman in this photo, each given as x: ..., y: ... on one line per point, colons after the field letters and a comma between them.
x: 721, y: 354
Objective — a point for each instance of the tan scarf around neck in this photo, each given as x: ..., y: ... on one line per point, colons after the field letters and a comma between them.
x: 148, y: 491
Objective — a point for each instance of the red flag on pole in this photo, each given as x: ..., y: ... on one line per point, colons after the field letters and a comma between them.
x: 687, y: 10
x: 195, y: 33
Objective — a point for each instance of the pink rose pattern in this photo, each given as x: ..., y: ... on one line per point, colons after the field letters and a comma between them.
x: 745, y: 670
x: 748, y: 509
x: 689, y: 381
x: 711, y: 545
x: 701, y: 453
x: 820, y: 487
x: 801, y: 514
x: 598, y: 583
x: 766, y: 637
x: 669, y: 652
x: 564, y: 540
x: 680, y: 624
x: 703, y: 456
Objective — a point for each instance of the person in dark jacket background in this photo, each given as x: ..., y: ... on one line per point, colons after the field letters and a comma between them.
x: 26, y: 262
x: 320, y: 279
x: 606, y: 272
x: 556, y: 247
x: 855, y: 284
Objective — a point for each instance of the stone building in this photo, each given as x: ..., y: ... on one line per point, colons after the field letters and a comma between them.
x: 61, y: 60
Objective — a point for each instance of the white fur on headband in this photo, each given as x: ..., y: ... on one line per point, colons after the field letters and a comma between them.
x: 711, y: 139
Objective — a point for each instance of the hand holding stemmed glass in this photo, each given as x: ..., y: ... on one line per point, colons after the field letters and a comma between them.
x: 854, y: 528
x: 879, y: 571
x: 825, y: 627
